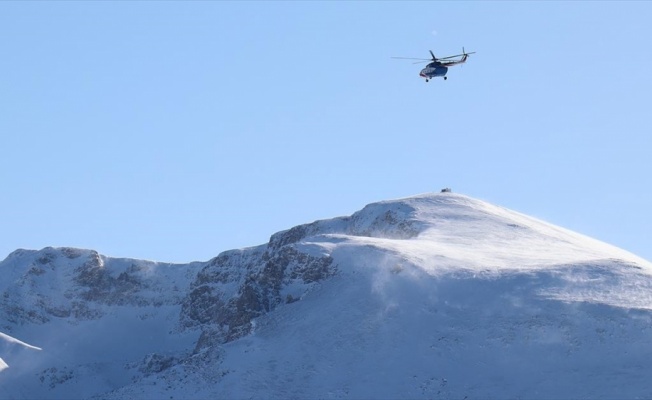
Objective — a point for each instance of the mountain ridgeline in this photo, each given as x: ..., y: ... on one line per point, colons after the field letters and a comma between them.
x: 432, y: 296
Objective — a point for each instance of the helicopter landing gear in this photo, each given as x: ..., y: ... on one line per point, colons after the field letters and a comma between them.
x: 427, y: 80
x: 445, y: 77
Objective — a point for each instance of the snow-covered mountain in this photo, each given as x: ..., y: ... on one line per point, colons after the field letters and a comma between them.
x: 432, y: 296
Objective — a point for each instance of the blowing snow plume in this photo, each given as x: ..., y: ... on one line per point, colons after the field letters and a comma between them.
x: 13, y: 340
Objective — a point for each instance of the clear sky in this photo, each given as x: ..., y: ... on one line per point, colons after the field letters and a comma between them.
x: 172, y: 131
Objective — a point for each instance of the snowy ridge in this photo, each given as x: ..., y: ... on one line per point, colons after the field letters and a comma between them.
x: 78, y: 284
x: 476, y: 234
x: 455, y: 231
x: 431, y: 296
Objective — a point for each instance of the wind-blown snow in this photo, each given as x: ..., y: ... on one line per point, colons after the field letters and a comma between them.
x: 9, y: 339
x: 14, y: 340
x: 460, y: 232
x: 431, y: 296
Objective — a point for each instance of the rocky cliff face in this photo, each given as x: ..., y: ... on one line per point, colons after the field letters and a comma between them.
x: 238, y: 286
x: 77, y: 285
x: 221, y: 296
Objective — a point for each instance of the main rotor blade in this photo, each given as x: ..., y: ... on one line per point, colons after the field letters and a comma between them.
x: 457, y: 55
x: 411, y: 58
x: 449, y: 57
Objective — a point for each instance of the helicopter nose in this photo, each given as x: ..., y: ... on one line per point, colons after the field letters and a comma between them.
x: 422, y: 73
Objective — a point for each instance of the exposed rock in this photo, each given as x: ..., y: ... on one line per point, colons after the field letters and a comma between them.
x: 155, y: 363
x: 376, y: 221
x: 225, y: 309
x: 55, y: 376
x: 103, y: 287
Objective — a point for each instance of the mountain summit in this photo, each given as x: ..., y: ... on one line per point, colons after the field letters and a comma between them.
x: 453, y: 230
x: 431, y: 296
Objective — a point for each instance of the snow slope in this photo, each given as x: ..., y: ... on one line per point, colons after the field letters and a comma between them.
x: 13, y: 340
x: 432, y: 296
x: 90, y: 314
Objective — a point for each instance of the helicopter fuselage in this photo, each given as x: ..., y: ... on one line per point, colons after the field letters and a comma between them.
x: 440, y: 68
x: 433, y: 70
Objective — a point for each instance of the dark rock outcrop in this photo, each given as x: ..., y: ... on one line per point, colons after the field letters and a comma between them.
x: 238, y: 286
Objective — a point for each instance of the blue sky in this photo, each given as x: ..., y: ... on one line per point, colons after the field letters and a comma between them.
x: 172, y: 131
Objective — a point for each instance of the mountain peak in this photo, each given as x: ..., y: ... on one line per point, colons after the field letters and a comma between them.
x: 444, y: 231
x: 437, y: 295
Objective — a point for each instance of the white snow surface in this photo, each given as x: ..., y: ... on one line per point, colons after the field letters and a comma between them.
x: 435, y: 296
x: 459, y: 232
x: 10, y: 339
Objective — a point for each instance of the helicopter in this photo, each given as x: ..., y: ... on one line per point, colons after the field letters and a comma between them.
x: 438, y: 66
